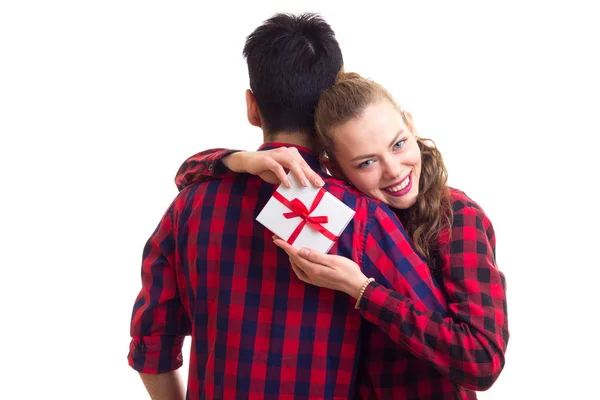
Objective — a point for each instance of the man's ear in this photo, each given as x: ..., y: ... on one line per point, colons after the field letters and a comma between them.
x: 252, y: 109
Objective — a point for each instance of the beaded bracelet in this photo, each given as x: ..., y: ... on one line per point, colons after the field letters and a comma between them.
x: 362, y: 291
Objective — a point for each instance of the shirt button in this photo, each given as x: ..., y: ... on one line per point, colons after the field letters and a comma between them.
x: 211, y: 166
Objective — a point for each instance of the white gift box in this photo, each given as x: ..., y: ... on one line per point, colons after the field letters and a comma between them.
x: 284, y: 220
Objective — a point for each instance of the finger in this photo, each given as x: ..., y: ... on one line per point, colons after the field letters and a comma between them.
x: 308, y: 259
x: 308, y: 267
x: 314, y: 256
x: 290, y: 158
x: 291, y: 251
x: 270, y: 177
x: 298, y: 171
x: 309, y: 174
x: 288, y: 248
x: 278, y: 170
x: 312, y: 176
x: 299, y: 273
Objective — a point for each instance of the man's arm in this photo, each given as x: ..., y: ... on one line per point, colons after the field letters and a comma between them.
x: 165, y: 386
x: 159, y: 323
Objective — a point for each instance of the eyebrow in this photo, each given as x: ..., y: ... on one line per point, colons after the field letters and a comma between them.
x: 393, y: 142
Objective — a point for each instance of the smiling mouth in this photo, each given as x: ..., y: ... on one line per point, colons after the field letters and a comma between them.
x: 400, y: 186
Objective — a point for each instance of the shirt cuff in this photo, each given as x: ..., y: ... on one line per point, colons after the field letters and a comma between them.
x: 377, y: 303
x: 155, y: 354
x: 217, y: 168
x: 364, y: 300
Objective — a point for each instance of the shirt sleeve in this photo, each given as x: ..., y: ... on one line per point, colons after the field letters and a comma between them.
x: 203, y: 166
x: 159, y: 323
x: 468, y: 341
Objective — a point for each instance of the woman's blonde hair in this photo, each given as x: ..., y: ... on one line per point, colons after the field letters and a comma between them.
x: 432, y: 211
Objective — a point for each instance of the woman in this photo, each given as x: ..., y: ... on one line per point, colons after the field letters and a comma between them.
x: 372, y: 143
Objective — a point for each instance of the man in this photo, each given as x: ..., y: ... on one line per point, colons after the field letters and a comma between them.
x: 211, y: 271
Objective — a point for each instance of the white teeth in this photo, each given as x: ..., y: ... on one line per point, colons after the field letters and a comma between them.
x: 401, y: 186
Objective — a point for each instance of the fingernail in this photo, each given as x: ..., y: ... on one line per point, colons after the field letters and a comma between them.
x: 320, y: 182
x: 305, y: 182
x: 287, y: 183
x: 303, y: 252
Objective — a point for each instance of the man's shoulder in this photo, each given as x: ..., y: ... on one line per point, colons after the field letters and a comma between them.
x: 338, y: 187
x: 373, y: 211
x: 230, y: 186
x: 250, y: 185
x: 348, y: 193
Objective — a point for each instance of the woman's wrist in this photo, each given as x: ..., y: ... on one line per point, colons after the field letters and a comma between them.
x: 355, y: 285
x: 235, y: 161
x: 362, y: 291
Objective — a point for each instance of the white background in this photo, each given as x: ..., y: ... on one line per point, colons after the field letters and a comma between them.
x: 100, y: 102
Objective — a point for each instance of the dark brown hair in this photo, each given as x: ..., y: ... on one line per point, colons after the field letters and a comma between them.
x: 291, y: 60
x: 432, y: 212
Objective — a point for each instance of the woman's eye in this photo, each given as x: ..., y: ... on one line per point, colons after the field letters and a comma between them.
x: 365, y: 164
x: 400, y: 144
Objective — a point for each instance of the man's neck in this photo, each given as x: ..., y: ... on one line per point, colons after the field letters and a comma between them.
x: 295, y: 138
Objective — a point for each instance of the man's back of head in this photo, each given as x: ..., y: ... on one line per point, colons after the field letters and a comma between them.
x: 291, y: 61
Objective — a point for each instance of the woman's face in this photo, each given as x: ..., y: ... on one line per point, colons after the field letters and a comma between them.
x: 378, y: 153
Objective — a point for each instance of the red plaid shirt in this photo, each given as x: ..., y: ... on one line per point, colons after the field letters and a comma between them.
x: 420, y: 352
x: 211, y: 271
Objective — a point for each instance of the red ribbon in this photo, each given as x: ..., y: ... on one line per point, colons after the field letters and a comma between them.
x: 300, y: 210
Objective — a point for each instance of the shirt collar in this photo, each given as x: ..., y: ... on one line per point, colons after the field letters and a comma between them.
x: 308, y: 155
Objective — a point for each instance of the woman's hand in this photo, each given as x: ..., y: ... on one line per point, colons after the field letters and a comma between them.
x: 270, y: 165
x: 325, y: 270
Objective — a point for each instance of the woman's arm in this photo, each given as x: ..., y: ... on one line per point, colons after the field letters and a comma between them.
x: 269, y: 165
x: 468, y: 344
x: 203, y: 166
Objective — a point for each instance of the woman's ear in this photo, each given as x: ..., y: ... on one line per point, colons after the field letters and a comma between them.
x: 252, y: 109
x: 408, y: 120
x: 332, y: 167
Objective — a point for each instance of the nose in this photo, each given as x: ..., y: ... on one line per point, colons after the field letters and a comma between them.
x: 391, y: 168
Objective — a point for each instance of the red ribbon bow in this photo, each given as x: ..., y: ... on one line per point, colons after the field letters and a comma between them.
x: 299, y: 210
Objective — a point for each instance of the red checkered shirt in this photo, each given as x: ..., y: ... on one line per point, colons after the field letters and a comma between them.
x: 211, y: 271
x: 419, y: 352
